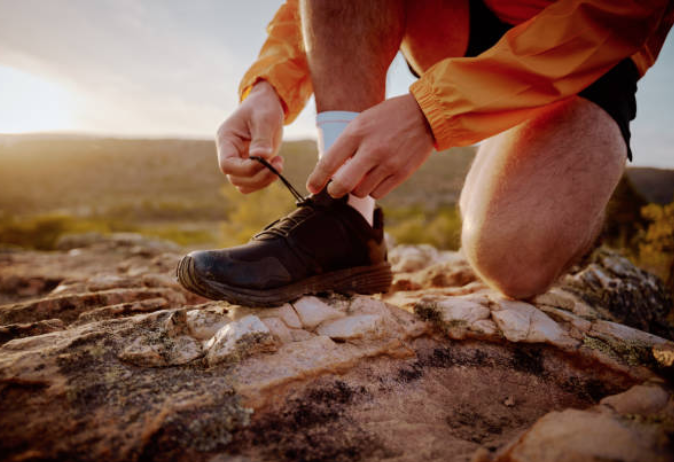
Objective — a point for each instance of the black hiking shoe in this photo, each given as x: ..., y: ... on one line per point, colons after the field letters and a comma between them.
x: 323, y: 246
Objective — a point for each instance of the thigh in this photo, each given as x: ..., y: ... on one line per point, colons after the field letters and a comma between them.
x: 434, y: 30
x: 536, y: 194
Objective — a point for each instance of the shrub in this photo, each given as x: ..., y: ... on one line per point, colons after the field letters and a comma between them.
x: 656, y: 248
x: 41, y: 232
x: 248, y: 214
x: 413, y: 225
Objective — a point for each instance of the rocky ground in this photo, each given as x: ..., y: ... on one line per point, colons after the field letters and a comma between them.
x: 104, y: 357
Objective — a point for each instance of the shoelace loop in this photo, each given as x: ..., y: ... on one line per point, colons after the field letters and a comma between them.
x: 300, y: 200
x: 281, y: 226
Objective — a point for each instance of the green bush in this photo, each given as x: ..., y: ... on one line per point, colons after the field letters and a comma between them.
x: 413, y: 225
x: 248, y: 214
x: 41, y: 232
x: 656, y: 246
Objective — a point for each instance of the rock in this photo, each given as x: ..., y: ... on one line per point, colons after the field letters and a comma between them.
x: 12, y: 331
x: 631, y: 296
x: 69, y: 307
x: 352, y: 327
x: 278, y: 329
x: 157, y: 349
x: 458, y: 310
x: 105, y: 357
x: 407, y: 258
x: 643, y: 400
x: 238, y: 340
x: 168, y: 345
x: 289, y: 316
x: 312, y: 311
x: 206, y: 320
x: 522, y: 322
x: 596, y: 435
x: 123, y: 309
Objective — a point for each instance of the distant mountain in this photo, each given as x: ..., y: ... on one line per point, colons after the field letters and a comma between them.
x: 656, y: 185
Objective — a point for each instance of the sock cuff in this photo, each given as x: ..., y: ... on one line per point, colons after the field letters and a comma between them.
x: 335, y: 116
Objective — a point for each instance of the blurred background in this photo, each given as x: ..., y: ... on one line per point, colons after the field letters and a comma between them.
x: 108, y: 110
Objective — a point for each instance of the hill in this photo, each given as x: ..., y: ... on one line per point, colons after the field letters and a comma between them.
x: 656, y: 185
x: 161, y: 179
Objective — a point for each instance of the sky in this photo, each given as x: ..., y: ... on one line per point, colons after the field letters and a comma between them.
x: 170, y: 68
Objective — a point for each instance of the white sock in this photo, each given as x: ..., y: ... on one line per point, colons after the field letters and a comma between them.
x: 330, y: 125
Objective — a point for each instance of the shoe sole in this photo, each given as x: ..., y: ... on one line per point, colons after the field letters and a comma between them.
x: 364, y: 280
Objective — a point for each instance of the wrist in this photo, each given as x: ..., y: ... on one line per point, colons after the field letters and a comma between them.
x: 420, y: 115
x: 265, y: 90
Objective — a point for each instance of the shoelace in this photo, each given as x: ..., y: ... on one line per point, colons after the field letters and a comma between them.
x: 281, y: 226
x: 298, y: 197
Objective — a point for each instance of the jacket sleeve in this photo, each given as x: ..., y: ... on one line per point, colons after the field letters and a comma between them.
x: 552, y: 56
x: 282, y: 62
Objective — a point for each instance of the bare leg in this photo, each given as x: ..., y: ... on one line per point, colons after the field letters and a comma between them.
x: 534, y: 199
x: 350, y: 45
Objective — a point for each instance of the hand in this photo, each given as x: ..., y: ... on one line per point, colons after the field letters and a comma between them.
x: 377, y: 151
x: 255, y: 129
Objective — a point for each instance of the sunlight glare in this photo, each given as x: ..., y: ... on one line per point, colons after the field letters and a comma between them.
x: 29, y: 103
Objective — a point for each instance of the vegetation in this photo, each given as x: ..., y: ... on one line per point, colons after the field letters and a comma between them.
x: 172, y: 189
x: 656, y: 246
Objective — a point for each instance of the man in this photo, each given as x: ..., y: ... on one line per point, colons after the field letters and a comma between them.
x: 549, y: 85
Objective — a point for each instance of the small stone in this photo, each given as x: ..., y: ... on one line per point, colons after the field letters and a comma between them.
x: 289, y: 316
x: 157, y: 349
x: 361, y: 304
x: 522, y: 322
x: 664, y: 354
x: 583, y: 325
x: 238, y: 340
x: 408, y: 258
x: 484, y: 326
x: 352, y: 327
x: 278, y: 329
x: 300, y: 335
x: 575, y: 435
x: 558, y: 298
x: 640, y: 399
x: 176, y: 324
x: 461, y: 310
x: 509, y: 401
x: 312, y: 311
x: 204, y: 324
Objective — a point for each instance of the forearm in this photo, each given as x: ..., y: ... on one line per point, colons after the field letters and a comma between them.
x: 282, y: 62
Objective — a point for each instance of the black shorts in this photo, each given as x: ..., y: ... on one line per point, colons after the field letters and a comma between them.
x: 615, y: 91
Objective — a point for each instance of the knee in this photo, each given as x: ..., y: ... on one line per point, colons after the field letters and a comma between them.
x: 510, y: 264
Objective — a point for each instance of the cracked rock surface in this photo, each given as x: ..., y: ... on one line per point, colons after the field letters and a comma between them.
x: 103, y: 356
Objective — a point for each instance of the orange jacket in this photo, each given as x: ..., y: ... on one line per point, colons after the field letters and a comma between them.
x: 552, y: 55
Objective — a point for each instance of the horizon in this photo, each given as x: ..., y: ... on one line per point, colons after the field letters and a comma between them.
x: 170, y: 70
x: 157, y: 138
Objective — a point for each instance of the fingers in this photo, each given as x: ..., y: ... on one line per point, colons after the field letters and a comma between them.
x: 255, y: 129
x: 343, y: 149
x: 263, y: 130
x: 238, y: 166
x: 370, y: 182
x: 263, y: 178
x: 348, y: 176
x: 385, y: 187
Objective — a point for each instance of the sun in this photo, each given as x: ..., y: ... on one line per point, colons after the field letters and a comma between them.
x: 29, y: 103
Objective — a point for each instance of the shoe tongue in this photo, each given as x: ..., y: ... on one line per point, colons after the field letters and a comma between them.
x: 325, y: 200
